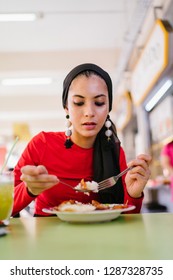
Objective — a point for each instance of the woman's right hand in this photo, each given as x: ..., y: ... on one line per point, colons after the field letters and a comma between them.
x: 37, y: 179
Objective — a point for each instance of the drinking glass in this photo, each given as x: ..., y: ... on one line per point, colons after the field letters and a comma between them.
x: 6, y: 196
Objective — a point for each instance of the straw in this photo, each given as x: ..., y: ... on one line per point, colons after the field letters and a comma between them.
x: 9, y: 154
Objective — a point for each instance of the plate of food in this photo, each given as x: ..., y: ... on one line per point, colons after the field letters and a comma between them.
x: 77, y: 212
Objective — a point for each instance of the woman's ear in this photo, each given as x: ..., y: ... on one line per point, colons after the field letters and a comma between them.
x: 66, y: 110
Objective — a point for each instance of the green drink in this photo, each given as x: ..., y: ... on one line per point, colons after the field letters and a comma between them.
x: 6, y: 196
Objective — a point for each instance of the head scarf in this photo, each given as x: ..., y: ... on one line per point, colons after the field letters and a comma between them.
x: 106, y: 154
x: 82, y: 68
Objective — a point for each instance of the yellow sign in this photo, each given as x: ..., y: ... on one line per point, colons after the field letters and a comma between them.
x: 152, y: 62
x: 123, y: 111
x: 22, y: 131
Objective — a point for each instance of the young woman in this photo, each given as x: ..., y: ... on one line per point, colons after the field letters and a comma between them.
x: 167, y: 164
x: 88, y: 150
x: 167, y: 159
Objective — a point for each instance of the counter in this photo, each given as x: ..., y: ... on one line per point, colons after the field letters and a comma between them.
x: 130, y: 236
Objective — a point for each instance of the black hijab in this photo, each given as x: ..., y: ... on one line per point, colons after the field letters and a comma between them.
x: 83, y: 68
x: 106, y: 153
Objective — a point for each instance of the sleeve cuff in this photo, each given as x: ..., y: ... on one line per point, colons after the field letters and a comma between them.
x: 30, y: 194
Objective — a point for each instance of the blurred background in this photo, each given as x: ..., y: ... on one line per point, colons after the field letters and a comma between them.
x: 41, y: 41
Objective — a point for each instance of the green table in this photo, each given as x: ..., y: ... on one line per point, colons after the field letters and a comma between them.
x: 131, y: 236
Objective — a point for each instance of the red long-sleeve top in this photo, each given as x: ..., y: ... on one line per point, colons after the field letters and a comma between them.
x: 69, y: 165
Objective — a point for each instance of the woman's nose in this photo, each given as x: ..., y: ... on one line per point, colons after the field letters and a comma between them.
x: 89, y: 111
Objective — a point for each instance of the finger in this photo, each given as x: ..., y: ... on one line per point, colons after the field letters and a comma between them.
x: 42, y: 169
x: 38, y: 187
x: 140, y: 167
x: 138, y: 163
x: 44, y: 178
x: 138, y: 170
x: 146, y: 158
x: 29, y: 170
x: 33, y: 170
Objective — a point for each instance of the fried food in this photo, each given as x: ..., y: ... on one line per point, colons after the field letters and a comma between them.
x: 100, y: 206
x: 74, y: 206
x: 87, y: 186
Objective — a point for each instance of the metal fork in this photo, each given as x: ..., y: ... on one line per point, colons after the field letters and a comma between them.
x: 107, y: 183
x: 103, y: 184
x: 70, y: 186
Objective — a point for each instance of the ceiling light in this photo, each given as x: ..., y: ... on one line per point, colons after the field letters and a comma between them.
x: 158, y: 95
x: 26, y: 81
x: 19, y: 17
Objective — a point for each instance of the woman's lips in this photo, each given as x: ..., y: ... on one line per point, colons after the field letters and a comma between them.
x: 89, y: 125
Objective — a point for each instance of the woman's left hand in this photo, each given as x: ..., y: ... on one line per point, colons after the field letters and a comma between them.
x: 138, y: 176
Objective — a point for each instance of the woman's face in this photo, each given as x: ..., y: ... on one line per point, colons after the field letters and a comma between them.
x: 88, y: 107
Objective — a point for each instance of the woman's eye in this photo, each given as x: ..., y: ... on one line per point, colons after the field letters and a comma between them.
x: 79, y: 103
x: 99, y: 103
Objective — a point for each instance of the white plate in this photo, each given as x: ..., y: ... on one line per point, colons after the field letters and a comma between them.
x: 89, y: 217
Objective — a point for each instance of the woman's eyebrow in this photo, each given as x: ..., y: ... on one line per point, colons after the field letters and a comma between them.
x: 100, y: 95
x: 97, y: 96
x: 78, y: 95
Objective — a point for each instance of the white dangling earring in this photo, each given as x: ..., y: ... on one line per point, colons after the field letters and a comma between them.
x: 68, y: 133
x: 108, y: 132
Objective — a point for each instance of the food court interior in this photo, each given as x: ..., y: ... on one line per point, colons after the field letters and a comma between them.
x: 132, y: 40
